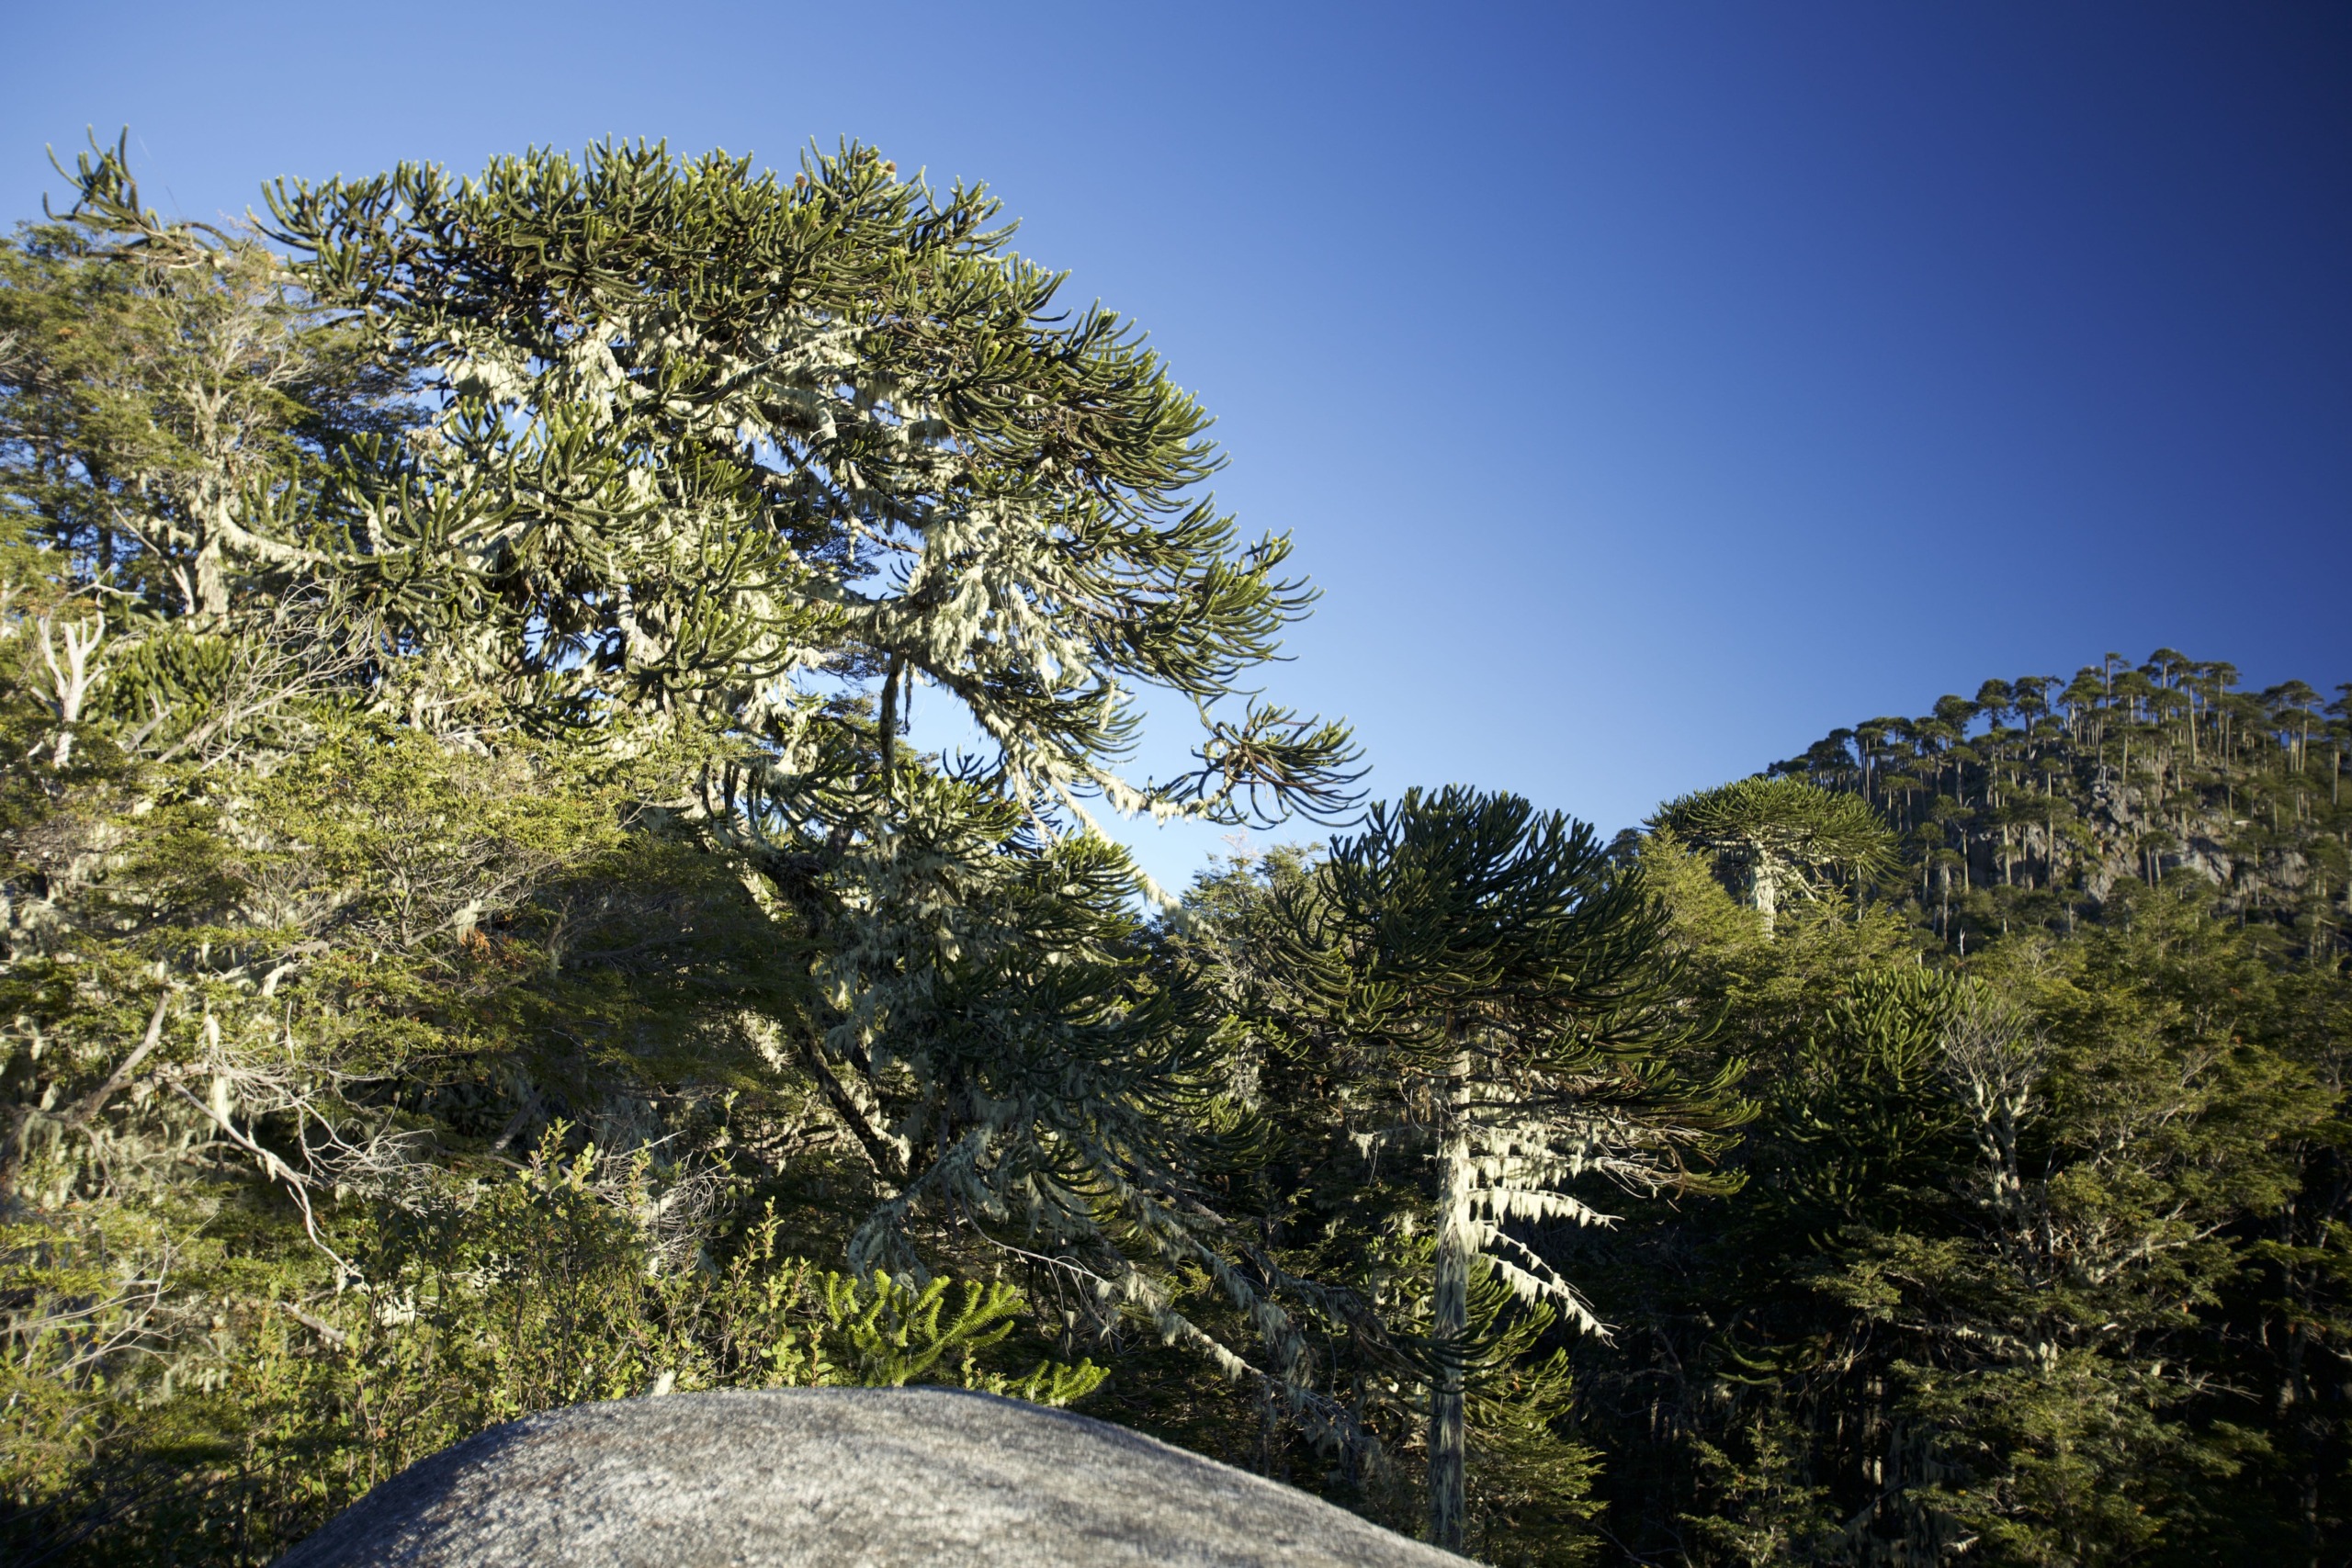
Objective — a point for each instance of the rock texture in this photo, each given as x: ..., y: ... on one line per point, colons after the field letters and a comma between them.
x: 861, y: 1478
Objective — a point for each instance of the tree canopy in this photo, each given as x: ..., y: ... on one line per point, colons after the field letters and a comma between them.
x: 1778, y: 837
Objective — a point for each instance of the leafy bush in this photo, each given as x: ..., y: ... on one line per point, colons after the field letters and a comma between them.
x: 176, y: 1402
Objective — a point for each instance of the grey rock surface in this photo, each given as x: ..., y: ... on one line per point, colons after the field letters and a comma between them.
x: 864, y: 1478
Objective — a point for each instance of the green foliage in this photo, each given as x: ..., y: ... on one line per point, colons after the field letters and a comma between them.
x: 482, y: 1302
x: 1986, y: 1293
x: 699, y: 427
x: 1860, y: 1128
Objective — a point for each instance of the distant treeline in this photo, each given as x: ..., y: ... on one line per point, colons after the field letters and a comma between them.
x: 2120, y: 772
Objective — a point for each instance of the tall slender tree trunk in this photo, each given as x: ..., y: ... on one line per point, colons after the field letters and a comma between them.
x: 1450, y: 1323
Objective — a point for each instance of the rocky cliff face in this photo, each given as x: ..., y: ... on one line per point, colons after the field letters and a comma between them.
x: 2140, y: 832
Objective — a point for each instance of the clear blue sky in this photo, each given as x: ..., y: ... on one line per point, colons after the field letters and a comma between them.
x: 1651, y: 387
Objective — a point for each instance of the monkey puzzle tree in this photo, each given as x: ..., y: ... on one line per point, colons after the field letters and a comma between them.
x: 732, y: 464
x: 703, y: 471
x: 1501, y: 990
x: 1775, y: 837
x: 700, y: 430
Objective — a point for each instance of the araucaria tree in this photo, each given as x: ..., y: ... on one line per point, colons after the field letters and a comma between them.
x: 716, y: 470
x: 732, y: 467
x: 1498, y: 988
x: 1779, y: 837
x: 454, y: 666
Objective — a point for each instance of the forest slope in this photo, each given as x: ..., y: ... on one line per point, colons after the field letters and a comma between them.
x: 2038, y: 796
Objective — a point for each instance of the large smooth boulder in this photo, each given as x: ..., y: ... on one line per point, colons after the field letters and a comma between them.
x: 864, y: 1478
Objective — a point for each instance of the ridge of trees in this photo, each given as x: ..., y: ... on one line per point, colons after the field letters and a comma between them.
x: 2042, y: 793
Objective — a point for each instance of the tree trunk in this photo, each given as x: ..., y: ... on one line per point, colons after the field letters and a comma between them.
x: 1764, y: 886
x: 887, y: 722
x: 1450, y: 1324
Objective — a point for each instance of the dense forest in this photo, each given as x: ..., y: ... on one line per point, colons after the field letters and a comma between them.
x: 481, y: 937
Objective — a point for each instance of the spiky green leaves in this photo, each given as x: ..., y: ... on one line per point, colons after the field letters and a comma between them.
x: 1479, y: 908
